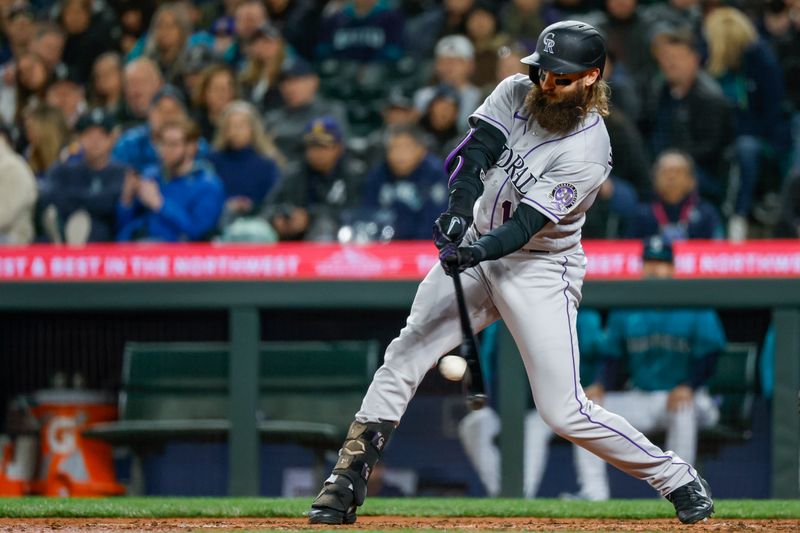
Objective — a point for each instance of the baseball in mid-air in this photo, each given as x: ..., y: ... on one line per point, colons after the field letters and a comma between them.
x: 453, y: 367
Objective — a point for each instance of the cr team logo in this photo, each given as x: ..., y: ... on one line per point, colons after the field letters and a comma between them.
x: 549, y: 43
x: 563, y: 196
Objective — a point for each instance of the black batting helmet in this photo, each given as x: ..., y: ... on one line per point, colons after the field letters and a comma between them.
x: 567, y: 47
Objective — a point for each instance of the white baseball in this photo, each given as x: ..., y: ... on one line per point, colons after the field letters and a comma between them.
x: 453, y: 367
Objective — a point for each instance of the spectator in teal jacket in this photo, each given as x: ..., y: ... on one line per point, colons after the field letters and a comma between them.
x: 181, y: 200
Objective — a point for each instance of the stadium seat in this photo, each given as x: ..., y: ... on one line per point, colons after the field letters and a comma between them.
x: 733, y: 387
x: 308, y: 394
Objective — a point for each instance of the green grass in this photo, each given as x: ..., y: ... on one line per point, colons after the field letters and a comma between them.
x: 152, y: 507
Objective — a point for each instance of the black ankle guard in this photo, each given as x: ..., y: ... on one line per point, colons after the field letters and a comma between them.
x: 360, y: 452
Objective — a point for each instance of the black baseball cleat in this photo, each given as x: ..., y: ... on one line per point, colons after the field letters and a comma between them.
x: 692, y: 501
x: 335, y: 504
x: 326, y: 515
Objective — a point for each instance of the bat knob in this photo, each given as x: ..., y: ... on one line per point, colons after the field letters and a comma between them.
x: 476, y: 401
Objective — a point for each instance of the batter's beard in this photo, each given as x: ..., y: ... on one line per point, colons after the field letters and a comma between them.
x: 559, y: 117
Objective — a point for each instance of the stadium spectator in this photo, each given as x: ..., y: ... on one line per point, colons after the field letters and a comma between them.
x: 17, y: 197
x: 217, y: 89
x: 84, y: 192
x: 397, y: 109
x: 361, y: 31
x: 677, y: 212
x: 411, y: 183
x: 627, y: 33
x: 631, y: 161
x: 424, y: 29
x: 440, y: 121
x: 31, y: 84
x: 47, y: 135
x: 167, y: 41
x: 509, y: 61
x: 178, y: 199
x: 687, y: 111
x: 135, y: 147
x: 783, y: 32
x: 485, y: 33
x: 19, y: 28
x: 134, y: 17
x: 246, y: 160
x: 299, y: 87
x: 298, y: 21
x: 66, y: 93
x: 669, y: 355
x: 105, y: 86
x: 312, y: 198
x: 198, y: 59
x: 88, y: 35
x: 523, y: 20
x: 676, y: 14
x: 612, y: 210
x: 141, y: 81
x: 624, y: 94
x: 265, y: 52
x: 751, y: 80
x: 247, y: 18
x: 454, y: 65
x: 49, y: 41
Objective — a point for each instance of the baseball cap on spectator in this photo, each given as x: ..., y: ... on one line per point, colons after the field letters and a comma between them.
x: 295, y: 68
x: 20, y: 8
x: 397, y: 99
x: 455, y: 46
x: 198, y: 57
x: 267, y: 30
x: 168, y: 91
x: 96, y: 117
x: 657, y: 248
x: 446, y: 91
x: 672, y: 33
x: 223, y: 27
x: 323, y: 131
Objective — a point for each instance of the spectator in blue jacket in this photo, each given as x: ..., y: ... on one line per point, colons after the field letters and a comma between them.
x: 245, y: 159
x: 135, y: 148
x: 84, y: 191
x: 362, y: 31
x: 677, y: 211
x: 181, y: 200
x: 410, y: 182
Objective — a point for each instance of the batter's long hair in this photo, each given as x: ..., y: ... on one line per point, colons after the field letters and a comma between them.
x: 599, y: 93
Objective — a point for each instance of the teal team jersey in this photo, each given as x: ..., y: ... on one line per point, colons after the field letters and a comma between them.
x: 660, y: 347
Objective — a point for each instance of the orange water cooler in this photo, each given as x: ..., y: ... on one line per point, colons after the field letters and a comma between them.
x: 69, y: 464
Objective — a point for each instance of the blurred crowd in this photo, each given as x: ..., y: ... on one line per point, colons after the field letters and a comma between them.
x: 266, y: 120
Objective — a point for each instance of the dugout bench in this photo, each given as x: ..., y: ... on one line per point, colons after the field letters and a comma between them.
x: 308, y: 393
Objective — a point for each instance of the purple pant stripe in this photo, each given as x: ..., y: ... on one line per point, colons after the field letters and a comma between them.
x: 581, y: 406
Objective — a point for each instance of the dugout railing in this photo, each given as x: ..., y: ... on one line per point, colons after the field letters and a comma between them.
x: 243, y: 300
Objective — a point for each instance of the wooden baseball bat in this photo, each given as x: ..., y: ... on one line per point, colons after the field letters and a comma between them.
x: 474, y: 381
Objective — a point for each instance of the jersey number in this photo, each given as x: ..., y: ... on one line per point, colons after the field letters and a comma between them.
x: 506, y: 207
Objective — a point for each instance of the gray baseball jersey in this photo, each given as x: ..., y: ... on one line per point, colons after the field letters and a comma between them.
x: 535, y: 294
x: 558, y: 175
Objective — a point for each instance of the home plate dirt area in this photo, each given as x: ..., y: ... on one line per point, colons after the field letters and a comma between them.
x: 378, y: 523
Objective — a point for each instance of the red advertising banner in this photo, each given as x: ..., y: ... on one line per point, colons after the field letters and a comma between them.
x: 395, y: 261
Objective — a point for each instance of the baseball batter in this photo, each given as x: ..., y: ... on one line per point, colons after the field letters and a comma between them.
x: 520, y: 184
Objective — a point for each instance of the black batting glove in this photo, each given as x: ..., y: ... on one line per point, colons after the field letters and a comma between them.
x: 456, y: 259
x: 450, y: 229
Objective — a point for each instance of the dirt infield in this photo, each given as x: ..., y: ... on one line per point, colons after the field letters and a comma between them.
x: 70, y: 525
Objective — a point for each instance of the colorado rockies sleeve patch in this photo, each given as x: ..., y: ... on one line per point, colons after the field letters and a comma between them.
x: 563, y: 196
